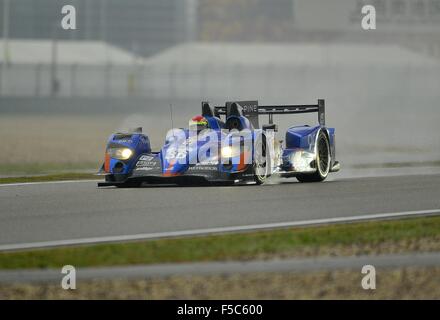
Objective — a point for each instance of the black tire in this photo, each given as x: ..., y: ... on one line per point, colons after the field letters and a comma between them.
x: 260, y: 163
x: 323, y: 161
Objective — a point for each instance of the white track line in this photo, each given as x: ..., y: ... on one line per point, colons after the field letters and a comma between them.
x: 196, y: 232
x: 44, y: 182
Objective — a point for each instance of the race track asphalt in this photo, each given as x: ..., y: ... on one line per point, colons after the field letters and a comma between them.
x: 59, y: 211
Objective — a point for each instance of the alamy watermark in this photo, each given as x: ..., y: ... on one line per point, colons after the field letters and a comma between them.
x: 68, y: 22
x: 212, y: 147
x: 369, y: 19
x: 68, y: 282
x: 369, y: 280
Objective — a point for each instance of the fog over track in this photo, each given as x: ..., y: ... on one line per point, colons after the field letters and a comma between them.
x: 69, y: 213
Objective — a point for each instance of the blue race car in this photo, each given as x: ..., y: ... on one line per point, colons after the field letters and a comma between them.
x: 225, y: 145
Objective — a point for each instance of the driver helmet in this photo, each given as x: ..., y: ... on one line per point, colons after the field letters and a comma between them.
x: 198, y: 123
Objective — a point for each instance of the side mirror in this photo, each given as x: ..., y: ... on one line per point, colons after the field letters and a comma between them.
x: 272, y: 127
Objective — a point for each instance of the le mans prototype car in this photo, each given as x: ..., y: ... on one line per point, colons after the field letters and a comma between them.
x: 231, y: 149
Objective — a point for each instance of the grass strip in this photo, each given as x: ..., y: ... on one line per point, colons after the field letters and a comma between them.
x: 237, y: 246
x: 33, y: 169
x: 49, y: 177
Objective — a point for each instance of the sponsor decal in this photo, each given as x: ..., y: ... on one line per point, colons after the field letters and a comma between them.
x: 151, y: 164
x: 147, y: 161
x: 142, y: 163
x: 203, y: 168
x: 247, y: 175
x: 250, y: 108
x: 209, y: 162
x: 144, y: 168
x: 146, y: 158
x: 127, y: 141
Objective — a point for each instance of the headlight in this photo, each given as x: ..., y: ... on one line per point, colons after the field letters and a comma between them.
x: 226, y: 152
x: 120, y: 153
x: 230, y: 152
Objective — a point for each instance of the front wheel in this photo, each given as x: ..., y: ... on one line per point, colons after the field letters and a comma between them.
x: 322, y: 161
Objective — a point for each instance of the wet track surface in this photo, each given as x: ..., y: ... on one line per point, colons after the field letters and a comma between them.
x: 50, y: 212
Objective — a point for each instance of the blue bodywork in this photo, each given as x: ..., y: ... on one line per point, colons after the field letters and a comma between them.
x: 304, y: 138
x: 137, y: 142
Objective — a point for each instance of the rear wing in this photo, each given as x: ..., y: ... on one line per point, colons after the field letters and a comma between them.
x: 251, y: 110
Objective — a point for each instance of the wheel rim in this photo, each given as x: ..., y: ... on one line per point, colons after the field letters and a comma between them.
x: 323, y: 156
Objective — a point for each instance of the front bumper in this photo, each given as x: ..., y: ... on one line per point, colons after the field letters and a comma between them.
x: 196, y: 175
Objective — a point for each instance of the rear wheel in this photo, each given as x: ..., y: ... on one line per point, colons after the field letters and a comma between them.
x: 261, y: 162
x: 322, y: 161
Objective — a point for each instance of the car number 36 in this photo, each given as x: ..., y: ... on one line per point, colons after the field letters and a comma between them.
x: 175, y: 154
